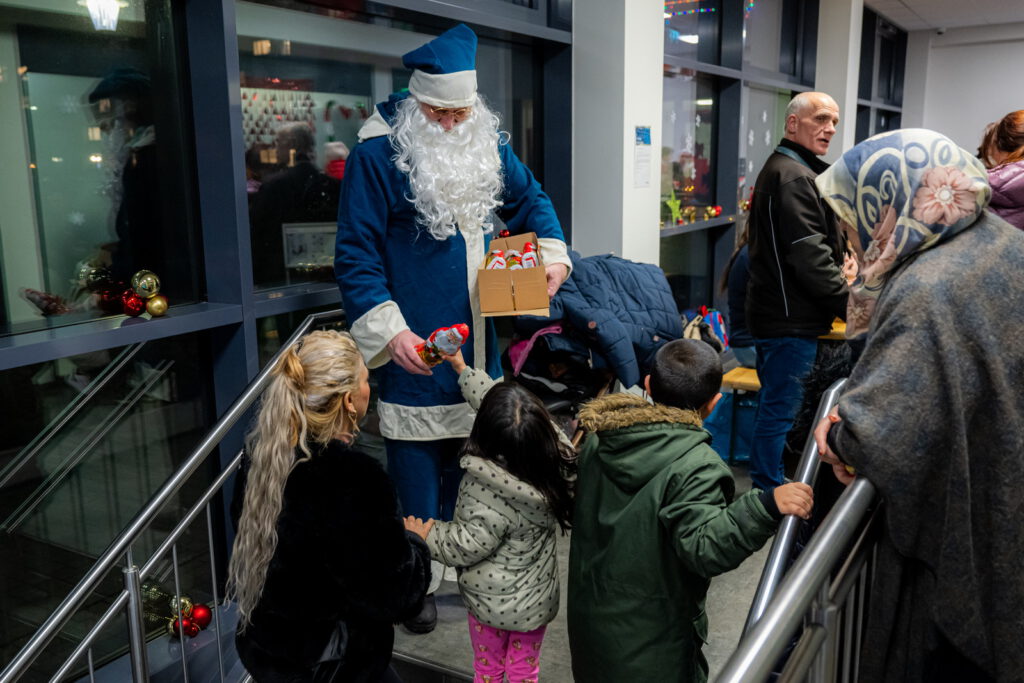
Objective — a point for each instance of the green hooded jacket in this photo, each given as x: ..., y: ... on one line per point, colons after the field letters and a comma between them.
x: 655, y: 519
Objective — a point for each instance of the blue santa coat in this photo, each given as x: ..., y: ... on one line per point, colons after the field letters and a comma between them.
x: 383, y: 255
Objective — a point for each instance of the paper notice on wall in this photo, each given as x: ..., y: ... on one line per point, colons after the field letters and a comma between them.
x: 642, y: 157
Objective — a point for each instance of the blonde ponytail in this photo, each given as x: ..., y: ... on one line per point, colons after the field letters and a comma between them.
x: 302, y: 405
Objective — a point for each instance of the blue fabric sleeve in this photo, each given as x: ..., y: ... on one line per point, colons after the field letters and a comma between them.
x: 527, y: 208
x: 362, y: 225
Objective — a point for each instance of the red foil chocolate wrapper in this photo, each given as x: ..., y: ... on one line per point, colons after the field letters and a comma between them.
x: 495, y: 260
x: 444, y: 341
x: 529, y: 257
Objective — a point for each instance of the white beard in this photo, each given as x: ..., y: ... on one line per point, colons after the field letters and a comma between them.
x: 455, y: 175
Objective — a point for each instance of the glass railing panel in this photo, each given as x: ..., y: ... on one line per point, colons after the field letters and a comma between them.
x: 84, y: 473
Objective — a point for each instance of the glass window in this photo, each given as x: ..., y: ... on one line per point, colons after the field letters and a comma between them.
x: 762, y: 30
x: 310, y: 80
x: 96, y: 180
x: 691, y: 29
x: 85, y: 442
x: 762, y: 124
x: 687, y: 262
x: 687, y: 153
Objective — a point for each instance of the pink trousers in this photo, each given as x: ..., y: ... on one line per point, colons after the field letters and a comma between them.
x: 497, y: 652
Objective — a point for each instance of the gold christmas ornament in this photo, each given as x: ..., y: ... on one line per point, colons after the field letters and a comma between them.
x: 145, y: 283
x: 156, y: 305
x: 185, y: 603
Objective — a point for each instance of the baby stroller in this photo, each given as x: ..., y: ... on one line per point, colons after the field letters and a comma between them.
x: 605, y: 324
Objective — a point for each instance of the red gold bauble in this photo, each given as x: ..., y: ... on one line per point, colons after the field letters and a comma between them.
x: 201, y: 615
x: 176, y: 629
x: 184, y: 603
x: 132, y: 303
x: 145, y: 283
x: 156, y: 305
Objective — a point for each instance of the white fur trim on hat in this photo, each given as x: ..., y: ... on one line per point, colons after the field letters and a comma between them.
x: 450, y: 91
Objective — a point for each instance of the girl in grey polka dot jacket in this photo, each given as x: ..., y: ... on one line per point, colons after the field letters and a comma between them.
x: 514, y: 495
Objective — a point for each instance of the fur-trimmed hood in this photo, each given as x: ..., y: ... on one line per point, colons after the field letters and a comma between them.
x: 635, y: 440
x: 617, y: 411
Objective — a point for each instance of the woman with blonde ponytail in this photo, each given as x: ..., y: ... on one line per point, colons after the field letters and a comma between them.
x: 322, y: 566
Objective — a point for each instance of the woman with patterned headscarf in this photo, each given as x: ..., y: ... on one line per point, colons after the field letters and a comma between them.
x: 933, y: 412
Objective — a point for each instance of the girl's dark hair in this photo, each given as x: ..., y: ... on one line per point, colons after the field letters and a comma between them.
x: 513, y: 429
x: 741, y: 241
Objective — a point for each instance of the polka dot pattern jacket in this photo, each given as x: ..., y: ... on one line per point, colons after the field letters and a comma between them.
x: 502, y: 540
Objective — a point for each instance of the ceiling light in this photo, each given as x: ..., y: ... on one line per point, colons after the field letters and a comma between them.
x: 690, y: 38
x: 103, y: 13
x: 705, y: 103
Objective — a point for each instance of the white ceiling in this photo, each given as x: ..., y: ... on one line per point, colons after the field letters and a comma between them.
x: 915, y: 15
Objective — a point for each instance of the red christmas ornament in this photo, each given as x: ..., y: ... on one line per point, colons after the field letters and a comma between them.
x: 109, y: 300
x: 201, y: 615
x: 132, y: 303
x: 504, y: 233
x: 192, y: 630
x: 177, y: 629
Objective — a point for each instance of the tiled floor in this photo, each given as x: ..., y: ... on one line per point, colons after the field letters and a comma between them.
x: 727, y: 603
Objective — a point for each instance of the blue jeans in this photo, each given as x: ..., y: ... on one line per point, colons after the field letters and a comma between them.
x: 426, y: 476
x: 782, y: 365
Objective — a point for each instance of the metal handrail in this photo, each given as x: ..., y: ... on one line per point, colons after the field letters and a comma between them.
x: 70, y: 410
x: 785, y: 539
x: 122, y: 599
x: 56, y: 621
x: 762, y: 646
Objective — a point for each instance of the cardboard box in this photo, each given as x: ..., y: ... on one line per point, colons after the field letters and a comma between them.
x: 514, y: 292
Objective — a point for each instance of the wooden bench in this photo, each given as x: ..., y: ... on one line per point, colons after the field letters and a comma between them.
x: 741, y: 379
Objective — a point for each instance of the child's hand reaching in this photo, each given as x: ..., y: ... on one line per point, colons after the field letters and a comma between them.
x: 457, y: 362
x: 418, y: 526
x: 796, y: 498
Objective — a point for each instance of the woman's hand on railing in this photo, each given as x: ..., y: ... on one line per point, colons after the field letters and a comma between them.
x: 844, y: 473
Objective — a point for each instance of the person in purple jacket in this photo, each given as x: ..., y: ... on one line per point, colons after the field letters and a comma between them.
x: 416, y: 213
x: 1002, y: 152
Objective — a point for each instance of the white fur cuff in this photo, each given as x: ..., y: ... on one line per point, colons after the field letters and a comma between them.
x: 375, y: 329
x: 553, y: 250
x: 451, y: 91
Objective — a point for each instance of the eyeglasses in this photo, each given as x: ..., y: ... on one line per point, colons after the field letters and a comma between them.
x: 458, y: 115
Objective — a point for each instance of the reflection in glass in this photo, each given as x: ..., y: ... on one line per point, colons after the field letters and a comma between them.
x: 686, y: 261
x: 85, y: 442
x: 691, y: 28
x: 762, y: 31
x: 762, y: 124
x: 687, y: 166
x: 96, y: 184
x: 310, y: 80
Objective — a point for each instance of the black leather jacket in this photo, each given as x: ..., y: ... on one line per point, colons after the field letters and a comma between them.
x: 796, y: 285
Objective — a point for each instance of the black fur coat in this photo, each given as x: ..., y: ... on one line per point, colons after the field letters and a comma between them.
x: 343, y: 572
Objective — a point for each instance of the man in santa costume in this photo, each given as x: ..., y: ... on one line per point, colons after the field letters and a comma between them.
x: 415, y: 217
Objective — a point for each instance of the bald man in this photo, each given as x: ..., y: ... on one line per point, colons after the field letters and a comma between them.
x: 796, y: 286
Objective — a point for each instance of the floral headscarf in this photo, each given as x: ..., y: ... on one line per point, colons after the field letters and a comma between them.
x: 897, y: 194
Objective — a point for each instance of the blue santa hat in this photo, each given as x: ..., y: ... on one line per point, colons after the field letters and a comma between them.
x: 444, y: 70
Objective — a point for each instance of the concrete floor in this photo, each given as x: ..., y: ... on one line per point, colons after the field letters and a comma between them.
x: 448, y: 645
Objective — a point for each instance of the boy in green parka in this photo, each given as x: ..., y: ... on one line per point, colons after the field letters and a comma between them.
x: 655, y: 519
